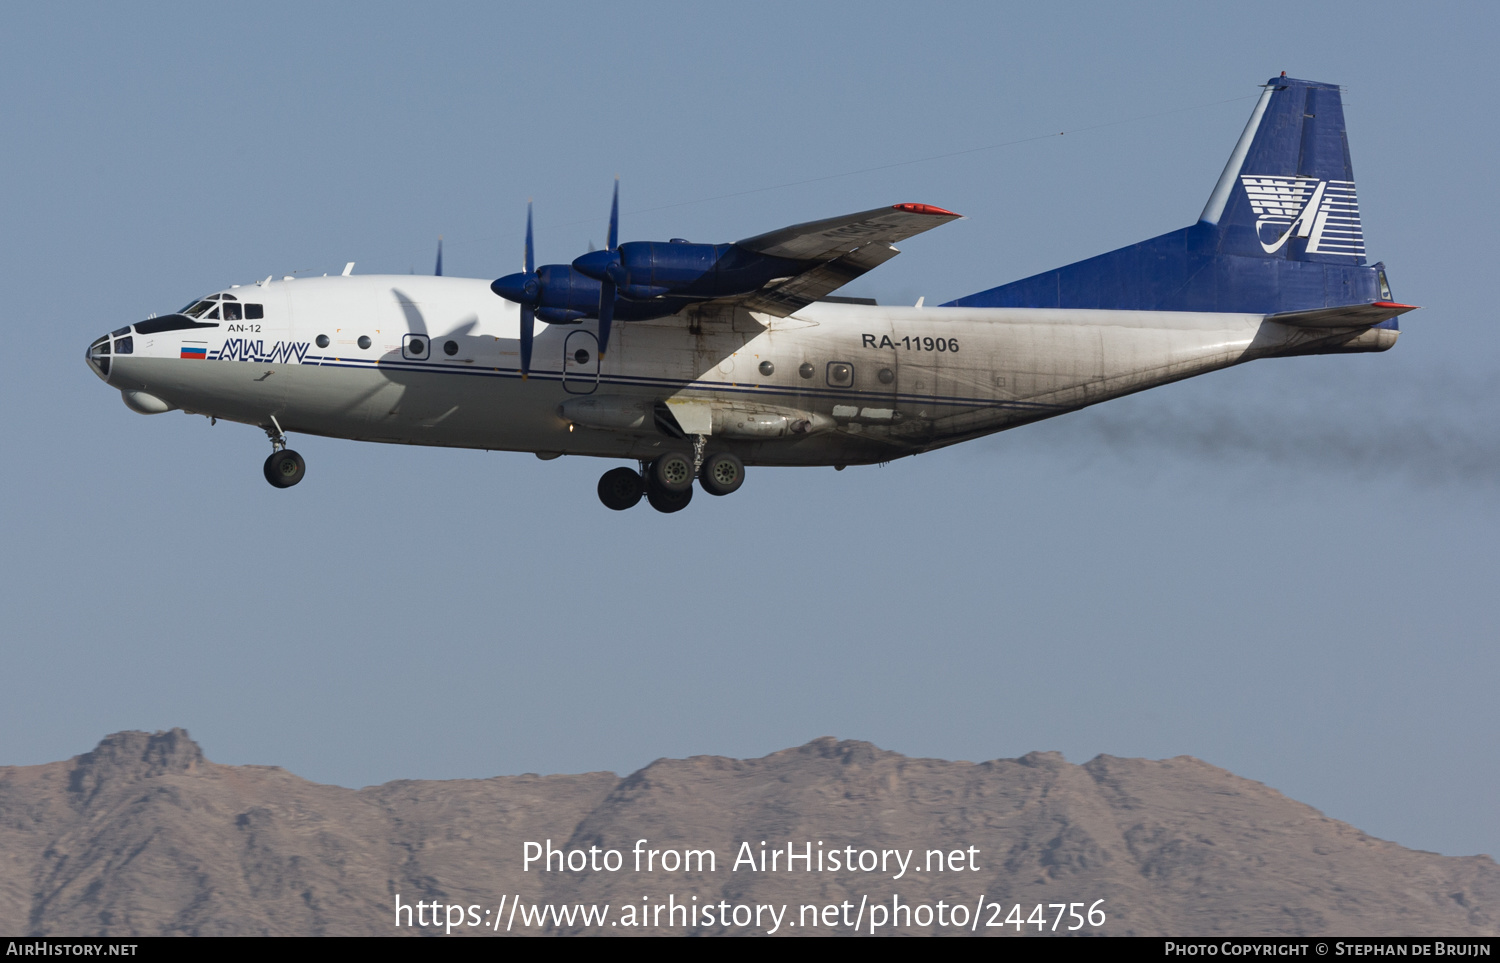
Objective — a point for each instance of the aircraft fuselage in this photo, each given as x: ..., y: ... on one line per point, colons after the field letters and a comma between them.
x: 435, y: 361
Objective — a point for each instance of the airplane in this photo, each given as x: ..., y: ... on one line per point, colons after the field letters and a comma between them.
x: 694, y: 361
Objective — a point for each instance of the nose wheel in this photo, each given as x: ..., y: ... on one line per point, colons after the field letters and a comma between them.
x: 285, y: 468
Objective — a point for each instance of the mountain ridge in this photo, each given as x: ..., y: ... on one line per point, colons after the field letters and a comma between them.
x: 144, y: 835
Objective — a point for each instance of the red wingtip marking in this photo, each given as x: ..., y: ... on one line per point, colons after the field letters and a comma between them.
x: 1395, y: 304
x: 924, y: 209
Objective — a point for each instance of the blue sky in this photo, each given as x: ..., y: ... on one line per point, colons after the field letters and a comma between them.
x: 1287, y: 569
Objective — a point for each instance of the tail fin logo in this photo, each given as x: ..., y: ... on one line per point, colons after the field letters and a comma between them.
x: 1324, y: 212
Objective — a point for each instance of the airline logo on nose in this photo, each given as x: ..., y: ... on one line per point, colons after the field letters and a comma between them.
x: 1324, y: 212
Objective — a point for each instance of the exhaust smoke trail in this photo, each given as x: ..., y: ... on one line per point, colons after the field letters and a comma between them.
x: 1424, y: 428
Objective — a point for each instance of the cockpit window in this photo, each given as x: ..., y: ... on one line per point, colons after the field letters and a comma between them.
x: 124, y: 330
x: 172, y: 322
x: 229, y: 297
x: 231, y: 311
x: 196, y: 310
x: 124, y: 346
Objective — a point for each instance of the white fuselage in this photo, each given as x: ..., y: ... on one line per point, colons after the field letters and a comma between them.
x: 831, y: 384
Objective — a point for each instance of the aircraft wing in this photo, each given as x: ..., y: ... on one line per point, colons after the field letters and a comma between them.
x: 835, y: 236
x: 843, y: 249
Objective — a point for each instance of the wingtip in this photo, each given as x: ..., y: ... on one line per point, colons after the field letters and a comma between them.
x: 925, y: 209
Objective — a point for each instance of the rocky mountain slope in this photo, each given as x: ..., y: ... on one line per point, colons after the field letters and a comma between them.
x: 145, y: 836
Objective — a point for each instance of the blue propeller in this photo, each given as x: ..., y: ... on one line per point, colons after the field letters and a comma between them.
x: 526, y: 290
x: 607, y: 283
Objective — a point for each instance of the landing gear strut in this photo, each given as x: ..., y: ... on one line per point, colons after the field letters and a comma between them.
x: 284, y: 468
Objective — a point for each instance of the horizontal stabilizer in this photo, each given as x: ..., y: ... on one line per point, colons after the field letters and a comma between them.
x: 1343, y: 316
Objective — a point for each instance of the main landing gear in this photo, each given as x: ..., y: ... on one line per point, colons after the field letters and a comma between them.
x: 667, y: 482
x: 284, y: 468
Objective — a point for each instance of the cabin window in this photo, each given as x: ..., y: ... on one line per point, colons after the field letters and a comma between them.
x: 450, y: 348
x: 840, y: 374
x: 886, y: 376
x: 767, y: 368
x: 322, y: 340
x: 806, y: 370
x: 364, y: 341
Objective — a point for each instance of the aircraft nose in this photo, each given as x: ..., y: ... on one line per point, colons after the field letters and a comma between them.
x: 98, y: 357
x: 103, y: 349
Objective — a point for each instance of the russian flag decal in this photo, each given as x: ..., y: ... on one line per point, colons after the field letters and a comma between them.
x: 191, y: 352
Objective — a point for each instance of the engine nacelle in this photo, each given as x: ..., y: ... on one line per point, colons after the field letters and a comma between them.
x: 642, y: 270
x: 562, y: 295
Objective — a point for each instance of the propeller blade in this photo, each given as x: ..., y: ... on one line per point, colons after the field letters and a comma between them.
x: 614, y: 219
x: 528, y: 331
x: 607, y: 286
x: 438, y: 271
x: 530, y: 266
x: 606, y: 314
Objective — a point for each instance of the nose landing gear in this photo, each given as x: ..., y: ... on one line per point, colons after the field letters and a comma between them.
x: 284, y: 468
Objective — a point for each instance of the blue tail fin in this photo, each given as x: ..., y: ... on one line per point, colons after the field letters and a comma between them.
x: 1280, y: 232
